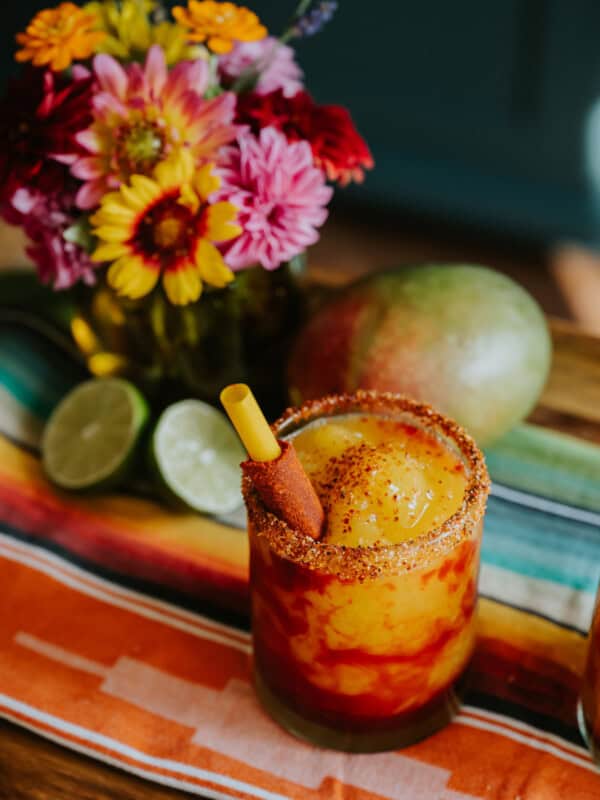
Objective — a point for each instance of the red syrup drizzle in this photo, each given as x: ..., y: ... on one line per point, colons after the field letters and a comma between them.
x: 275, y: 623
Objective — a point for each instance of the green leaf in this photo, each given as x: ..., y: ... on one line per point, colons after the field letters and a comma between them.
x: 80, y: 233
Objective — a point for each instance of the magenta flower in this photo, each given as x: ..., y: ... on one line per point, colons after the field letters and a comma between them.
x: 280, y: 194
x: 274, y: 62
x: 141, y: 115
x: 46, y: 218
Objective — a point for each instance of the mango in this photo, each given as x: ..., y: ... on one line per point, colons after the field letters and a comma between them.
x: 464, y: 338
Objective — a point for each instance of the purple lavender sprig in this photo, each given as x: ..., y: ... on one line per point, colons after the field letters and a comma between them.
x: 315, y: 20
x: 305, y: 21
x: 309, y: 21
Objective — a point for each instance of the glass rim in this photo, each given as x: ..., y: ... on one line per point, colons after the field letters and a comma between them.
x: 369, y: 561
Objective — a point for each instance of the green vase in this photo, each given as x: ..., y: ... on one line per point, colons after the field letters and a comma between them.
x: 238, y: 334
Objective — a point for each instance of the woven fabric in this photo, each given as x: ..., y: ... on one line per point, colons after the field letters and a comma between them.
x: 123, y: 628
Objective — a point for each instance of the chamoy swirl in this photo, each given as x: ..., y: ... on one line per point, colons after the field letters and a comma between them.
x: 361, y: 637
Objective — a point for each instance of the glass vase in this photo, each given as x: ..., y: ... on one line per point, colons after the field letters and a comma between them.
x: 237, y: 334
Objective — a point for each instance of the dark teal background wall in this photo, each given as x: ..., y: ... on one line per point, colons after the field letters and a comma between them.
x: 477, y: 111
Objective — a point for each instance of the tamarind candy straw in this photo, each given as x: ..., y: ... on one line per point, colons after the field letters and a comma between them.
x: 274, y: 467
x: 287, y: 492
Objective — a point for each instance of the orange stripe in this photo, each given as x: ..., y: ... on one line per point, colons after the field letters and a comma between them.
x: 487, y: 765
x: 115, y: 632
x: 530, y: 733
x: 503, y: 768
x: 113, y: 590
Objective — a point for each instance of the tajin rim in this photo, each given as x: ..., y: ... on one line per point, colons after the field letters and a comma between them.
x: 370, y: 561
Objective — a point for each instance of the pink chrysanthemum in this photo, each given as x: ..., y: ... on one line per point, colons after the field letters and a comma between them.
x: 280, y: 194
x: 46, y: 218
x: 275, y: 63
x: 142, y: 114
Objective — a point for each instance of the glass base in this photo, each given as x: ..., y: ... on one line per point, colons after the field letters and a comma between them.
x: 585, y: 734
x: 406, y: 733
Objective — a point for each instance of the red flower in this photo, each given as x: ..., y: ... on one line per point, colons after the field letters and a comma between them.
x: 39, y: 117
x: 338, y: 149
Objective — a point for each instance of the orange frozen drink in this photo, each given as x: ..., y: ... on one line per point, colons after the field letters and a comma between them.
x: 361, y: 637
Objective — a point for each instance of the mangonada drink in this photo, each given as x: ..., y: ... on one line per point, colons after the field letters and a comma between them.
x: 361, y: 637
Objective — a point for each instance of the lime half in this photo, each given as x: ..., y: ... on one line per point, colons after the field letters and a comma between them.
x: 90, y: 438
x: 197, y: 455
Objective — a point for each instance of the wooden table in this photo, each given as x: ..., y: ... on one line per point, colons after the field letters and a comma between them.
x: 32, y: 768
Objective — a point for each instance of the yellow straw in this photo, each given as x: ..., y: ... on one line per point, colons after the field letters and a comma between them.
x: 250, y: 423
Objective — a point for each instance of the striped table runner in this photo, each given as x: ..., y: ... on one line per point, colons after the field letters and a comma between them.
x: 123, y: 628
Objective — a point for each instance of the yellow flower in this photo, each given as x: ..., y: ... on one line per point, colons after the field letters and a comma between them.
x: 219, y: 24
x: 165, y: 227
x: 58, y: 36
x: 175, y: 42
x: 130, y: 34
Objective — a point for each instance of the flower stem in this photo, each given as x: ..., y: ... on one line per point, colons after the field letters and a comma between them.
x: 301, y: 9
x: 247, y: 81
x: 290, y: 31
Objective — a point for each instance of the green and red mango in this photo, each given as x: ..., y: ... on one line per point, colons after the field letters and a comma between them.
x: 466, y: 339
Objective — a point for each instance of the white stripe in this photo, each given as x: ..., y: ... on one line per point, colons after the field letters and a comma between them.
x: 530, y: 742
x: 542, y: 504
x: 125, y: 750
x: 130, y: 752
x: 154, y: 777
x: 61, y: 655
x: 28, y: 560
x: 560, y: 603
x: 502, y: 719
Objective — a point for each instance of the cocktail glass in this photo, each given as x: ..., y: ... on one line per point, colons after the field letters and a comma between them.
x: 588, y: 710
x: 363, y: 648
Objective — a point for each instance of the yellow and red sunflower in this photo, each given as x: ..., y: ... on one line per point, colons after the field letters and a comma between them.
x: 165, y: 227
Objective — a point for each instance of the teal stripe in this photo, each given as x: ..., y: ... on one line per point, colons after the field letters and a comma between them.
x: 34, y: 364
x: 550, y: 464
x: 34, y: 370
x: 23, y: 394
x: 540, y: 545
x: 30, y: 378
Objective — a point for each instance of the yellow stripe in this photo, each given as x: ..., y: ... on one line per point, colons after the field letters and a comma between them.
x: 532, y: 634
x: 198, y: 538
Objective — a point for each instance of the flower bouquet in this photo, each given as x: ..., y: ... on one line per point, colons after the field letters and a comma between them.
x: 172, y: 172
